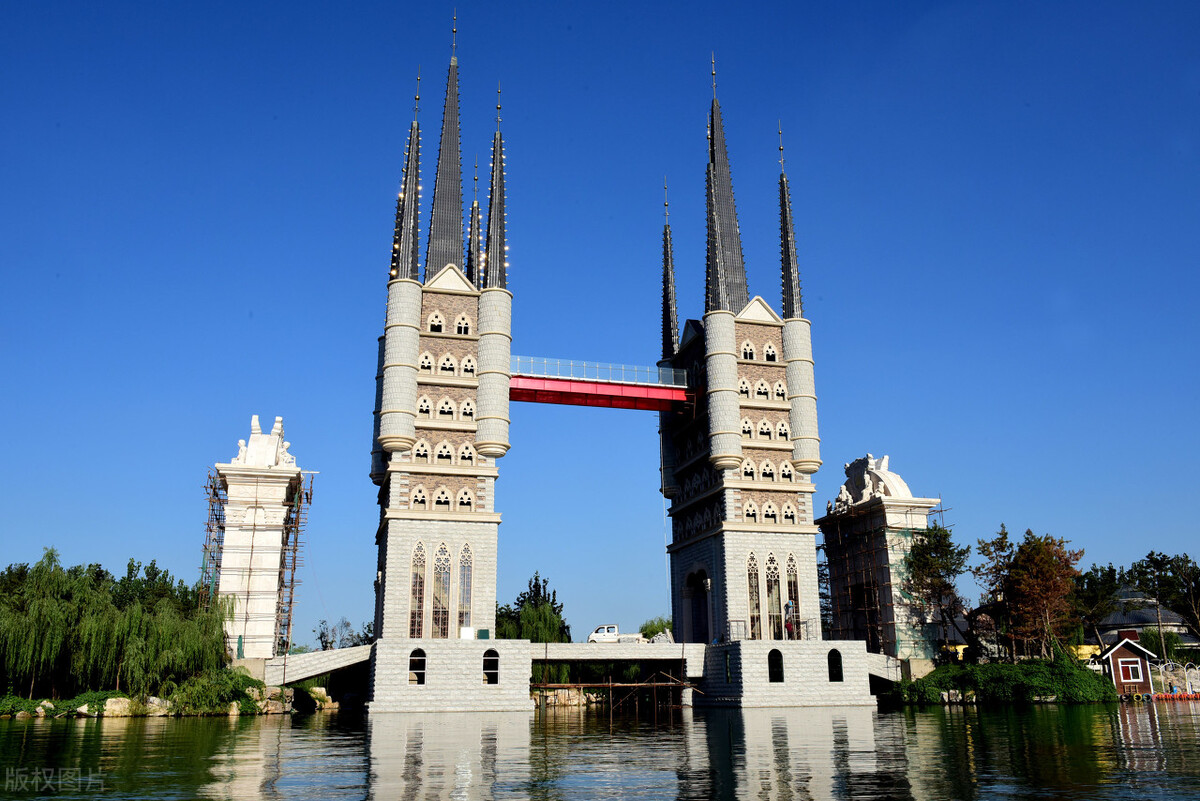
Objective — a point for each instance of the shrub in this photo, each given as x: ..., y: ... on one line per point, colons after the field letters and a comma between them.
x: 211, y: 693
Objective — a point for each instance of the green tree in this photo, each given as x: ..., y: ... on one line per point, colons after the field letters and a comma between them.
x: 1096, y: 596
x: 1173, y: 581
x: 536, y: 615
x: 990, y: 573
x: 1038, y: 589
x: 655, y: 625
x: 931, y: 570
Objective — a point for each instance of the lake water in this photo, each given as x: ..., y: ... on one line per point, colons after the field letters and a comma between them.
x: 1138, y: 751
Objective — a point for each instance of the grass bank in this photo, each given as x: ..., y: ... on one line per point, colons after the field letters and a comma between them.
x: 1062, y: 679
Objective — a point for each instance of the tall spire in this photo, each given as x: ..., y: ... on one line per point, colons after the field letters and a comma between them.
x: 446, y: 220
x: 793, y: 304
x: 495, y: 265
x: 725, y: 281
x: 408, y: 204
x: 670, y: 320
x: 474, y: 233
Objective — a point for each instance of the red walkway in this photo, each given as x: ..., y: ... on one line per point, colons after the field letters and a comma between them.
x: 613, y: 386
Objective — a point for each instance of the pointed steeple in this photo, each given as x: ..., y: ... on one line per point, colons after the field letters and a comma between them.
x: 670, y: 319
x: 474, y: 234
x: 725, y: 281
x: 408, y: 204
x: 495, y: 265
x: 446, y: 220
x: 793, y: 304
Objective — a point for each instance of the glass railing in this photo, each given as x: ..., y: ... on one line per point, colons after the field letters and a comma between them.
x: 594, y: 371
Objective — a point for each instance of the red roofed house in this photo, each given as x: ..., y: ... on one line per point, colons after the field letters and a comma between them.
x: 1128, y: 664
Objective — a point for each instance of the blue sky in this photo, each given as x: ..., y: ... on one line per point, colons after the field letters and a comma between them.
x: 996, y: 207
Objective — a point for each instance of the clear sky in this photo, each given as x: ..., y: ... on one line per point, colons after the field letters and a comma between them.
x: 996, y: 203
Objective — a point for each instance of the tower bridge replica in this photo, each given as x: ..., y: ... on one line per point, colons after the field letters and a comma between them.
x: 734, y: 391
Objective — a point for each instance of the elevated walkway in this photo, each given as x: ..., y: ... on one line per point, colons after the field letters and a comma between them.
x: 614, y: 386
x: 692, y: 653
x: 883, y: 666
x: 297, y: 667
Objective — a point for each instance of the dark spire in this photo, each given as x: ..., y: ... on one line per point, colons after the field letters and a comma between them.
x: 793, y: 304
x: 495, y: 265
x: 725, y: 281
x: 408, y: 204
x: 670, y: 320
x: 474, y: 234
x: 446, y: 219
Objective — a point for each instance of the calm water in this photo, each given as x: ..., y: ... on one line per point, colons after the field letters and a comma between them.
x: 1126, y: 752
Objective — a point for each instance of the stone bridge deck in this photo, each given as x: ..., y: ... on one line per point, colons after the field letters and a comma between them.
x: 297, y: 667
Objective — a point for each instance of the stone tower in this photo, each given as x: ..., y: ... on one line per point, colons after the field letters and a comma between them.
x: 441, y: 421
x: 738, y: 468
x: 260, y: 486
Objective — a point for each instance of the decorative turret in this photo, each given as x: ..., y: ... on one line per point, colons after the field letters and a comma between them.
x: 797, y: 341
x: 495, y: 318
x: 474, y: 234
x: 397, y: 395
x: 446, y: 218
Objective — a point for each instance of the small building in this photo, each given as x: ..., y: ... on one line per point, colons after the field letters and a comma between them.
x: 1127, y: 663
x: 1136, y: 611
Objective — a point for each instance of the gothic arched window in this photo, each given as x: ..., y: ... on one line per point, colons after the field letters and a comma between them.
x: 468, y: 365
x: 440, y: 621
x: 436, y: 323
x: 783, y: 430
x: 447, y: 366
x: 747, y: 427
x: 416, y: 606
x: 780, y: 391
x: 462, y: 325
x: 465, y: 567
x: 424, y: 407
x: 752, y: 590
x: 762, y: 390
x: 744, y: 388
x: 421, y: 451
x: 441, y: 500
x: 750, y: 512
x: 774, y: 603
x: 769, y: 513
x: 764, y: 430
x: 789, y: 514
x: 793, y: 591
x: 468, y: 408
x: 445, y: 453
x: 466, y: 454
x: 445, y: 409
x: 767, y: 471
x: 748, y: 469
x: 769, y: 352
x: 747, y: 350
x: 425, y: 363
x: 785, y: 471
x: 466, y: 501
x: 418, y: 500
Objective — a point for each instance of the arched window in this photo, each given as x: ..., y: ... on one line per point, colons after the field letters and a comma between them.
x: 421, y: 452
x: 793, y: 605
x: 445, y: 409
x: 767, y: 471
x: 416, y: 606
x: 491, y: 667
x: 466, y: 501
x: 752, y: 589
x: 468, y: 365
x: 750, y: 512
x: 447, y: 366
x: 441, y: 500
x: 425, y: 363
x: 440, y: 621
x: 835, y: 665
x: 466, y: 454
x: 445, y: 453
x: 789, y: 514
x: 744, y: 388
x: 785, y: 471
x: 468, y: 408
x: 747, y: 350
x: 762, y: 390
x: 462, y: 326
x: 780, y: 391
x: 416, y: 667
x: 465, y: 567
x: 782, y: 430
x: 419, y: 499
x: 747, y: 427
x: 769, y: 513
x: 436, y: 323
x: 774, y: 602
x: 769, y: 352
x: 775, y: 666
x: 764, y: 430
x: 424, y: 408
x: 748, y: 469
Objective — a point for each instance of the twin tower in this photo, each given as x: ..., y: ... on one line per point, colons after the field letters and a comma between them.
x: 737, y: 456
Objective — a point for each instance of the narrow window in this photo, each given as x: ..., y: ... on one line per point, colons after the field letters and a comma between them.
x: 416, y: 667
x: 774, y: 604
x: 491, y: 667
x: 769, y: 513
x: 417, y: 603
x: 436, y: 323
x: 789, y: 514
x: 780, y: 391
x: 747, y: 428
x: 748, y: 469
x: 792, y: 623
x: 462, y: 326
x: 775, y: 666
x: 468, y: 408
x: 424, y: 407
x: 446, y: 367
x: 761, y: 390
x: 441, y: 501
x: 465, y: 502
x: 752, y: 588
x: 747, y: 351
x: 750, y: 512
x: 769, y: 352
x: 418, y: 499
x: 764, y: 430
x: 744, y: 388
x: 785, y: 472
x: 465, y: 565
x: 441, y: 593
x: 420, y: 452
x: 445, y: 454
x: 446, y: 410
x: 783, y: 431
x: 767, y: 472
x: 835, y: 665
x: 426, y: 363
x: 466, y: 455
x: 468, y: 366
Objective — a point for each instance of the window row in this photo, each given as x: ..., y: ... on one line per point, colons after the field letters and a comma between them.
x: 762, y: 390
x: 437, y: 324
x: 445, y: 409
x: 437, y: 586
x: 417, y: 665
x: 750, y: 513
x: 446, y: 366
x: 418, y: 500
x: 764, y: 430
x: 443, y: 454
x: 833, y: 664
x: 766, y: 471
x: 768, y: 351
x: 783, y: 615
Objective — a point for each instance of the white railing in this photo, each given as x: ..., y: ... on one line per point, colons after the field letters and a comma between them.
x: 595, y: 371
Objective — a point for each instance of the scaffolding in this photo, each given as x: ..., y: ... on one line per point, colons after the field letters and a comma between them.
x: 295, y: 518
x: 214, y: 539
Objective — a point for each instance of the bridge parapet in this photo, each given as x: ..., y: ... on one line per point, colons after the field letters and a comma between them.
x: 598, y: 371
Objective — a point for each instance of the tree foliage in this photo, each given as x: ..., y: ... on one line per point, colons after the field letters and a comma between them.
x: 932, y: 567
x: 655, y: 625
x: 342, y: 634
x: 1173, y: 580
x: 1096, y: 595
x: 536, y: 615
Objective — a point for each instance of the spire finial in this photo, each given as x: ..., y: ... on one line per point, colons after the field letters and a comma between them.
x: 454, y: 35
x: 714, y: 74
x: 780, y: 122
x: 417, y: 96
x: 476, y: 190
x: 497, y: 105
x: 666, y: 202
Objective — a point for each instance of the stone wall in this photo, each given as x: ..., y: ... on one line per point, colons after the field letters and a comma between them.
x: 736, y: 674
x: 454, y: 678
